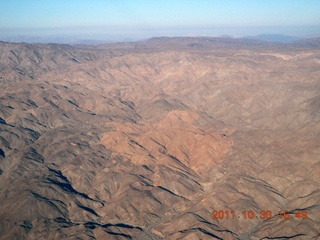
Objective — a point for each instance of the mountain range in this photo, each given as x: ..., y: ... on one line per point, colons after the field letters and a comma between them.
x: 168, y: 138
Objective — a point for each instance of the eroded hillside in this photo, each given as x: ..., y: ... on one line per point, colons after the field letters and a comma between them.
x: 145, y: 140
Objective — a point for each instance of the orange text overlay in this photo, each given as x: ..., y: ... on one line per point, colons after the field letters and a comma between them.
x: 263, y: 214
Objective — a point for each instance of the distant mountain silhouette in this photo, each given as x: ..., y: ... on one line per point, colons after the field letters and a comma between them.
x: 310, y: 42
x: 273, y: 38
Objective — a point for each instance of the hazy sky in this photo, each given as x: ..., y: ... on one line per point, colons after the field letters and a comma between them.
x: 167, y: 17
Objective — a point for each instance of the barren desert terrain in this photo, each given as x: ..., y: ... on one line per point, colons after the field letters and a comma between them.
x: 169, y: 138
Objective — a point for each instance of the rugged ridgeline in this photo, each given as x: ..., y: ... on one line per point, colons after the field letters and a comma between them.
x: 144, y: 140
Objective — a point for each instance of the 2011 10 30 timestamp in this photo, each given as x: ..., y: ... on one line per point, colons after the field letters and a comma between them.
x: 263, y: 214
